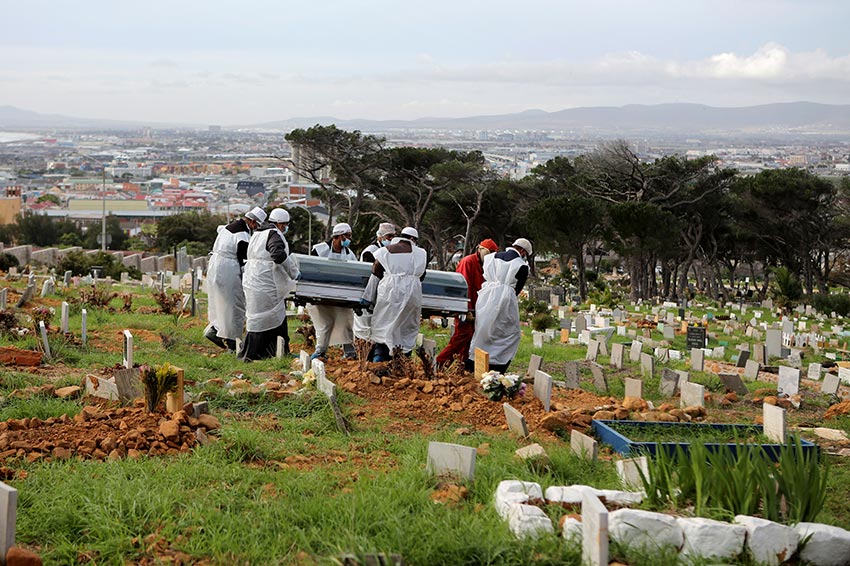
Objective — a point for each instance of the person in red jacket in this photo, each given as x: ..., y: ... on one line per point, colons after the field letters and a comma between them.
x: 471, y: 267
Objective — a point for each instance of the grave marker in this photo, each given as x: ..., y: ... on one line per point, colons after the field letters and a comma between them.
x: 733, y: 382
x: 603, y: 346
x: 174, y: 399
x: 760, y: 353
x: 814, y: 371
x: 599, y: 381
x: 48, y: 287
x: 580, y: 324
x: 594, y: 530
x: 635, y: 351
x: 693, y: 395
x: 128, y: 349
x: 592, y: 351
x: 452, y: 459
x: 66, y: 279
x: 583, y: 445
x: 537, y: 339
x: 830, y: 384
x: 647, y: 365
x: 617, y: 350
x: 773, y: 343
x: 774, y: 423
x: 788, y: 382
x: 751, y: 369
x: 697, y: 359
x: 84, y: 323
x: 571, y: 375
x: 8, y: 517
x: 516, y: 422
x: 669, y: 333
x: 669, y: 382
x: 742, y: 358
x: 629, y: 474
x: 565, y: 336
x: 534, y: 364
x: 44, y: 341
x: 844, y: 375
x: 3, y: 293
x: 26, y: 296
x: 482, y: 363
x: 63, y: 326
x: 695, y: 337
x: 129, y: 384
x: 543, y: 388
x: 634, y: 388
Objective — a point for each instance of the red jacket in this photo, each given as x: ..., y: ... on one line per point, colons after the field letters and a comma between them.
x: 472, y: 270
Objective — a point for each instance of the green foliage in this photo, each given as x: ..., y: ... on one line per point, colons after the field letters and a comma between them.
x: 41, y: 230
x: 787, y: 288
x: 529, y: 307
x: 169, y: 303
x: 188, y: 227
x: 543, y: 320
x: 49, y: 198
x: 7, y: 260
x: 80, y: 263
x: 838, y: 303
x: 98, y: 297
x: 157, y: 381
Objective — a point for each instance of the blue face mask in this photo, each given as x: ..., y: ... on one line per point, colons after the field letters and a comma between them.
x: 346, y: 243
x: 285, y: 230
x: 385, y: 243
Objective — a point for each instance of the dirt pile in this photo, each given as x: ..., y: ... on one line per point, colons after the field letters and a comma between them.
x: 98, y: 433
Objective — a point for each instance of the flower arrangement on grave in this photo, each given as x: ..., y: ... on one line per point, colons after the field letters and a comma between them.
x: 157, y: 381
x: 497, y: 385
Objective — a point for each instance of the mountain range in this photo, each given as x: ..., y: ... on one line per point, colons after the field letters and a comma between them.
x: 677, y: 118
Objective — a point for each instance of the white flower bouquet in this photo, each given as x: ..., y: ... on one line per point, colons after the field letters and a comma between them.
x: 497, y: 385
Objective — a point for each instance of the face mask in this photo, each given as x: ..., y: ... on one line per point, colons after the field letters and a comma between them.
x: 285, y: 230
x: 385, y: 243
x: 346, y: 243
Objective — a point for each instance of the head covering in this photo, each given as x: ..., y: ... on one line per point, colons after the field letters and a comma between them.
x: 341, y: 228
x: 256, y: 214
x: 489, y: 244
x: 385, y: 229
x: 278, y: 215
x: 524, y: 244
x: 410, y: 232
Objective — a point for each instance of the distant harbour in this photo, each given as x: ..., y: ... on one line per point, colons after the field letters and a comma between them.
x: 7, y: 137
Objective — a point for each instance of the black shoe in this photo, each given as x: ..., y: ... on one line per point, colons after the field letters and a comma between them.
x: 230, y: 344
x: 212, y: 336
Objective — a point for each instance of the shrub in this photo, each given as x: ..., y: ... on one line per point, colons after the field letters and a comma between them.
x: 837, y: 303
x: 530, y: 307
x: 7, y: 260
x: 542, y: 321
x: 168, y: 303
x: 97, y: 297
x: 41, y: 314
x: 157, y: 381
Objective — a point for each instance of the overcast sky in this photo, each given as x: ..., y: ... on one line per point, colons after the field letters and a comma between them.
x: 215, y: 62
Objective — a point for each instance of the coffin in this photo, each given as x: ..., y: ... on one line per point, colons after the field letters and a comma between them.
x: 335, y: 282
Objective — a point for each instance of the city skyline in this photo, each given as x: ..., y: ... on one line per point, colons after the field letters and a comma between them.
x: 216, y: 64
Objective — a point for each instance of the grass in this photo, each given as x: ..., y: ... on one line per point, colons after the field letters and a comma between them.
x: 281, y: 485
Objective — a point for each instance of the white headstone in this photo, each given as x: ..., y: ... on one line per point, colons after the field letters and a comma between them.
x: 647, y: 365
x: 751, y: 370
x: 697, y: 359
x: 304, y: 357
x: 634, y: 388
x: 452, y: 459
x: 318, y: 367
x: 693, y: 395
x: 64, y: 324
x: 635, y: 351
x: 594, y: 530
x: 175, y: 282
x: 543, y: 388
x: 814, y: 371
x: 84, y: 323
x: 830, y: 384
x: 3, y: 297
x: 629, y: 471
x: 280, y: 349
x: 516, y: 422
x: 599, y: 380
x: 592, y: 351
x: 844, y: 375
x: 583, y: 445
x: 788, y: 382
x: 128, y: 349
x: 617, y: 351
x: 44, y: 341
x: 669, y: 382
x: 534, y: 364
x: 537, y: 339
x: 774, y: 423
x: 8, y: 517
x: 773, y: 343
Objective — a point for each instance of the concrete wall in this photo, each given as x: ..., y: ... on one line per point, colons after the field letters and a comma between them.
x: 23, y: 253
x: 149, y: 264
x: 134, y: 260
x: 44, y: 256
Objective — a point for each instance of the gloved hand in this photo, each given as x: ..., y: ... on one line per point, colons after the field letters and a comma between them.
x: 365, y: 303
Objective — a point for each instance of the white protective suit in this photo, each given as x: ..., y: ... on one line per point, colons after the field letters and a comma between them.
x: 266, y: 283
x: 363, y: 323
x: 398, y: 306
x: 334, y: 325
x: 224, y: 285
x: 497, y: 328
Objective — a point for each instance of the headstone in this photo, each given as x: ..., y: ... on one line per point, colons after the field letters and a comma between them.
x: 304, y: 358
x: 8, y: 517
x: 697, y: 359
x: 669, y: 333
x: 175, y: 282
x: 733, y: 382
x: 580, y: 324
x: 318, y: 367
x: 774, y: 423
x: 565, y: 336
x: 3, y: 293
x: 96, y: 386
x: 572, y: 377
x: 26, y: 296
x: 44, y: 341
x: 773, y: 343
x: 84, y: 324
x: 128, y: 349
x: 584, y: 337
x: 64, y: 324
x: 788, y: 382
x: 742, y: 358
x: 534, y: 364
x: 760, y: 353
x: 617, y: 350
x: 48, y: 287
x: 129, y: 384
x: 543, y: 388
x: 719, y: 352
x: 594, y: 530
x: 635, y: 351
x: 592, y: 351
x: 814, y: 371
x: 599, y: 381
x: 516, y: 422
x: 647, y: 365
x: 695, y: 337
x: 554, y: 300
x: 693, y: 395
x: 583, y: 445
x: 537, y: 339
x: 451, y: 459
x: 751, y: 370
x: 634, y: 388
x: 66, y: 280
x: 669, y: 382
x: 629, y: 471
x: 844, y: 375
x: 830, y: 384
x: 603, y: 345
x: 174, y: 399
x: 482, y: 363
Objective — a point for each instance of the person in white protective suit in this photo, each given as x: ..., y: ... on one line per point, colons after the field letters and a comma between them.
x: 400, y: 269
x: 226, y: 312
x: 384, y: 235
x: 497, y: 330
x: 334, y: 325
x: 270, y: 275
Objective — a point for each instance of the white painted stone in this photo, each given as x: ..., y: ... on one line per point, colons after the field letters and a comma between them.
x: 646, y: 530
x: 828, y: 545
x: 751, y: 370
x: 693, y: 395
x: 573, y: 494
x: 63, y: 326
x: 543, y: 388
x: 774, y: 423
x: 594, y: 531
x: 510, y: 492
x: 44, y: 341
x: 647, y: 365
x: 788, y: 382
x: 537, y: 339
x: 770, y: 543
x: 618, y: 497
x: 697, y: 359
x: 453, y: 459
x: 634, y: 388
x: 583, y: 445
x: 814, y: 372
x: 712, y: 539
x: 128, y: 349
x: 103, y: 388
x: 571, y: 530
x: 318, y: 367
x: 84, y: 327
x: 830, y: 384
x: 304, y: 358
x: 280, y: 347
x: 844, y: 375
x: 528, y: 521
x: 592, y: 351
x: 832, y: 434
x: 8, y: 517
x: 635, y: 351
x: 617, y: 351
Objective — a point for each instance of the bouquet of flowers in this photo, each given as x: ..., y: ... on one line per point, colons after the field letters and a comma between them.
x: 496, y: 385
